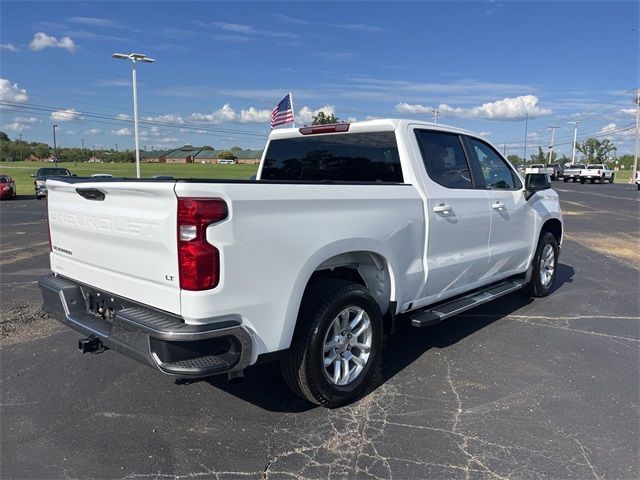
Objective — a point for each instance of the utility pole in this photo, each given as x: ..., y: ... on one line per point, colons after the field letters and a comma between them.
x: 575, y: 139
x: 21, y: 153
x: 435, y: 115
x: 116, y: 148
x: 83, y: 153
x: 636, y: 100
x: 553, y: 135
x: 504, y: 150
x: 55, y: 149
x: 526, y: 129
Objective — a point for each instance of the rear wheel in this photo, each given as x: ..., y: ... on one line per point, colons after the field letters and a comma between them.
x: 583, y: 180
x: 335, y: 350
x: 544, y: 267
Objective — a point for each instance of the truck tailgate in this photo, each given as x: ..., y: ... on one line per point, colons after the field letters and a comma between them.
x: 119, y: 237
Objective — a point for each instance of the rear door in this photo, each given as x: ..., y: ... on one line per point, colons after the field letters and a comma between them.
x: 512, y: 221
x: 119, y: 237
x: 458, y: 215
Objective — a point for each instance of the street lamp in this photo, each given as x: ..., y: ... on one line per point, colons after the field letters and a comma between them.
x: 575, y: 137
x: 135, y: 58
x: 55, y: 150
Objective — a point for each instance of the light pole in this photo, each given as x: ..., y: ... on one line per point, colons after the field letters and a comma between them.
x: 55, y: 150
x: 553, y: 135
x: 435, y: 115
x: 575, y: 138
x: 135, y: 58
x: 636, y: 100
x: 21, y: 154
x: 526, y: 129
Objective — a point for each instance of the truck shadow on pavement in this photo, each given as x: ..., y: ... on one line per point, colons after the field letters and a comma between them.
x: 265, y: 388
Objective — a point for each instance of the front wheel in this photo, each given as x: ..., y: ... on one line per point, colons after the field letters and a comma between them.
x: 582, y: 180
x: 544, y: 266
x: 335, y: 350
x: 611, y: 178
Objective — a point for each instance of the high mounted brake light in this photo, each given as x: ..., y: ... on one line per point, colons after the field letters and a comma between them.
x: 198, y: 260
x: 332, y: 128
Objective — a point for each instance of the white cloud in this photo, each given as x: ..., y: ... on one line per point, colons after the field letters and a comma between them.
x: 223, y: 114
x: 9, y: 46
x: 123, y: 132
x: 484, y: 134
x: 70, y: 132
x: 67, y: 115
x: 123, y: 116
x: 253, y: 115
x: 305, y: 114
x: 26, y: 120
x: 11, y: 92
x: 41, y: 41
x: 615, y: 135
x: 168, y: 118
x: 16, y: 127
x: 94, y: 22
x: 94, y: 131
x: 515, y: 108
x: 168, y: 140
x: 627, y: 111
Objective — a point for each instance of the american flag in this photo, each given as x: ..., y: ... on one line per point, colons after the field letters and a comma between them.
x: 283, y: 112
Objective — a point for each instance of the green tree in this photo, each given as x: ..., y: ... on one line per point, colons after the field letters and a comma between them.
x: 543, y: 157
x: 236, y: 149
x: 226, y: 155
x: 4, y: 137
x: 324, y: 119
x: 596, y: 150
x: 40, y: 150
x: 515, y: 160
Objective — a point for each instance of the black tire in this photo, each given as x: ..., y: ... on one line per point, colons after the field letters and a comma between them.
x: 303, y: 368
x: 611, y: 178
x: 565, y: 180
x: 536, y: 288
x: 582, y: 180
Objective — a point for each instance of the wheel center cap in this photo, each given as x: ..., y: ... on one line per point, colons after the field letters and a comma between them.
x: 343, y: 342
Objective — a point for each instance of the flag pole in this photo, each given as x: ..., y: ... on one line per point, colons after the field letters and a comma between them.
x: 293, y: 123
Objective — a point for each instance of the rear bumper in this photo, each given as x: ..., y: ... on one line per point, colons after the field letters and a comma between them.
x: 157, y: 339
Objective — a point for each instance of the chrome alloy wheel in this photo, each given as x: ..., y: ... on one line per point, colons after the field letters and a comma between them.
x: 547, y: 265
x: 347, y: 346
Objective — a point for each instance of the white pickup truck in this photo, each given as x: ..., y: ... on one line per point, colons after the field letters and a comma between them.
x: 541, y: 168
x: 572, y: 172
x: 596, y: 172
x: 346, y: 228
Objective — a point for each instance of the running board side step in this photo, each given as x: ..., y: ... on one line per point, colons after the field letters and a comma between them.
x: 437, y: 313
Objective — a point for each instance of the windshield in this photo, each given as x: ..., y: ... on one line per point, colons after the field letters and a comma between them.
x: 50, y: 172
x: 577, y: 166
x: 594, y: 167
x: 4, y: 179
x: 537, y: 165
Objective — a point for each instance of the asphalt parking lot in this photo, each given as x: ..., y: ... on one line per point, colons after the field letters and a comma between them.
x: 545, y: 388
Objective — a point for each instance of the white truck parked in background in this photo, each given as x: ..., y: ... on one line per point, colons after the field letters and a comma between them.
x: 347, y: 227
x: 572, y: 172
x: 596, y: 172
x: 541, y: 168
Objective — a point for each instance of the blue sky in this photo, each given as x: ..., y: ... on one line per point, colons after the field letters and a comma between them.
x: 221, y: 67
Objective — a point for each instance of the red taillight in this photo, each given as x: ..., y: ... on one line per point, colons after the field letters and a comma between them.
x: 332, y: 128
x: 198, y: 260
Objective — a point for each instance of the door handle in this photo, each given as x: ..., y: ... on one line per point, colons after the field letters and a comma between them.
x: 497, y: 206
x: 442, y: 208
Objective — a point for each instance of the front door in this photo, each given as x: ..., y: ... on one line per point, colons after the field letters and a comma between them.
x: 512, y: 221
x: 458, y: 213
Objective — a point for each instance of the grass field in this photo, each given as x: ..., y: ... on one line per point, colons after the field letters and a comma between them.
x: 21, y: 171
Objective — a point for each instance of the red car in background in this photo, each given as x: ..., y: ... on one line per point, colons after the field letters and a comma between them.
x: 7, y: 187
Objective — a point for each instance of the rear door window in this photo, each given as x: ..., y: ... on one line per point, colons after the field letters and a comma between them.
x: 444, y: 158
x: 352, y: 157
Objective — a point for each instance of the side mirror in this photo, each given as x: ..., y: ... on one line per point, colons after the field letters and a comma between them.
x: 33, y: 175
x: 534, y: 182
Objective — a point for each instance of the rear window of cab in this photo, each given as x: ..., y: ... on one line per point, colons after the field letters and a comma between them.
x: 343, y: 157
